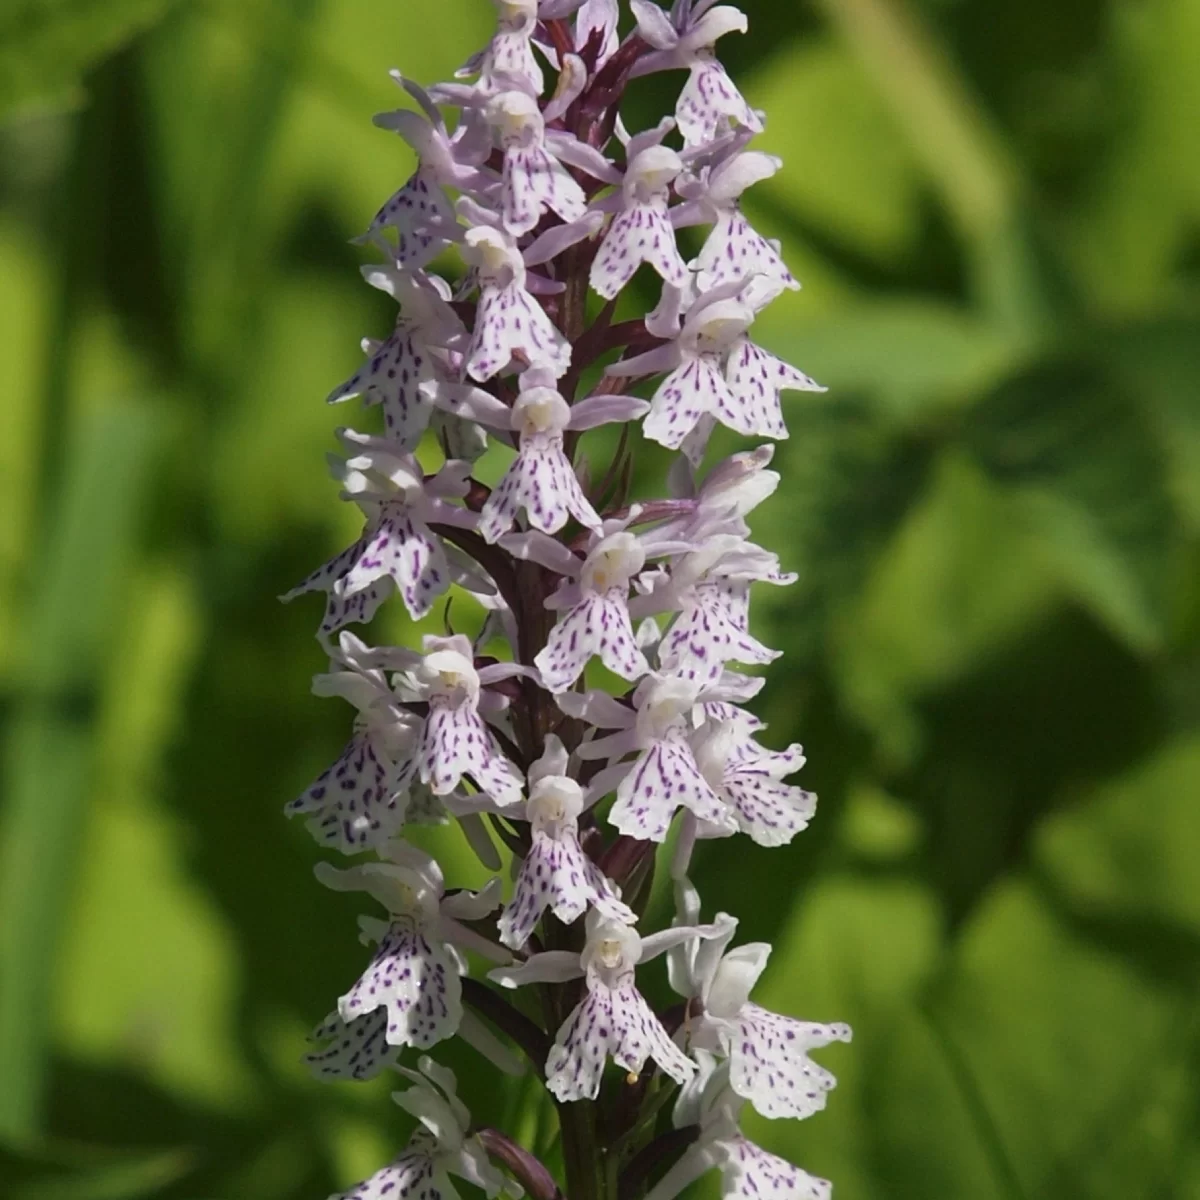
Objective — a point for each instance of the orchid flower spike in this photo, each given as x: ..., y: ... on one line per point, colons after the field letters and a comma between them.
x: 577, y: 698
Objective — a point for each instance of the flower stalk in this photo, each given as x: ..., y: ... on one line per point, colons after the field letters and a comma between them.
x: 599, y: 704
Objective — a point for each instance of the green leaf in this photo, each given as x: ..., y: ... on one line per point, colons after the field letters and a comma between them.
x: 964, y: 154
x: 957, y: 580
x: 87, y: 1173
x: 24, y: 312
x: 849, y: 172
x: 1129, y: 852
x: 81, y: 572
x: 1022, y: 1062
x: 1083, y: 466
x: 1080, y: 1059
x: 147, y: 961
x: 1160, y: 357
x: 934, y: 104
x: 1138, y: 216
x: 862, y: 951
x: 850, y: 477
x: 47, y: 45
x: 916, y: 355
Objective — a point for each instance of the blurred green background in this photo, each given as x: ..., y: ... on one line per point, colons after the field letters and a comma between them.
x: 992, y: 649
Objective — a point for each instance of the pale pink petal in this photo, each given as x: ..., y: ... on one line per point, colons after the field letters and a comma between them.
x: 412, y: 1176
x: 327, y: 574
x: 599, y: 625
x: 756, y: 378
x: 721, y: 710
x: 456, y: 742
x: 608, y: 1023
x: 703, y: 638
x: 343, y: 609
x: 399, y: 546
x: 535, y: 181
x: 540, y: 481
x: 510, y: 324
x: 769, y: 1063
x: 358, y: 1050
x: 416, y: 980
x: 694, y: 389
x: 768, y: 810
x: 392, y: 376
x: 415, y: 212
x: 709, y: 102
x: 749, y: 756
x: 394, y: 547
x: 664, y: 778
x: 750, y: 1173
x: 734, y: 251
x: 353, y: 805
x: 511, y: 53
x: 556, y: 874
x: 642, y: 233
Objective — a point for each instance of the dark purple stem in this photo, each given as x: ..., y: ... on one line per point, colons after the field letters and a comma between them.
x: 624, y: 856
x: 528, y: 1170
x: 598, y: 105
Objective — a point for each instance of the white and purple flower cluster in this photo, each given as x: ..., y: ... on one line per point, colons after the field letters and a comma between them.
x: 553, y: 207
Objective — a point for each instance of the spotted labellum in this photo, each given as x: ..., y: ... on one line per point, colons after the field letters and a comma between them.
x: 576, y: 701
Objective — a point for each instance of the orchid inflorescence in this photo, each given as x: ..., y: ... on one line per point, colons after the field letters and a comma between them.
x: 551, y: 202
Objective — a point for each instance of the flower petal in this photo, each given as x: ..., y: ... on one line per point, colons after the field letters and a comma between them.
x: 457, y: 742
x: 411, y: 1177
x: 600, y: 625
x: 748, y: 1172
x: 769, y: 1063
x: 610, y: 1022
x: 734, y: 251
x: 403, y: 547
x: 756, y: 378
x: 556, y: 874
x: 708, y: 102
x: 510, y: 323
x: 416, y: 212
x: 641, y: 233
x: 703, y: 638
x: 353, y: 804
x: 664, y: 777
x: 540, y: 481
x: 693, y: 390
x: 358, y: 1050
x: 392, y: 376
x: 416, y: 980
x: 535, y: 181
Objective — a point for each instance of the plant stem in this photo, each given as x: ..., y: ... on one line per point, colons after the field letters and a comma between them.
x: 583, y: 1160
x: 581, y: 1151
